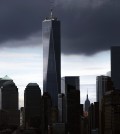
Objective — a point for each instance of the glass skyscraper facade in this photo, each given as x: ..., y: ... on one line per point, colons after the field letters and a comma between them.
x: 73, y: 81
x: 51, y: 58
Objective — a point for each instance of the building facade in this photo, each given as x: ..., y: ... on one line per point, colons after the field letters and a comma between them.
x: 93, y: 118
x: 46, y: 113
x: 51, y: 57
x: 103, y: 84
x: 70, y: 88
x: 73, y: 81
x: 73, y: 111
x: 2, y: 81
x: 115, y: 66
x: 111, y: 112
x: 61, y: 108
x: 32, y: 104
x: 87, y: 104
x: 9, y: 103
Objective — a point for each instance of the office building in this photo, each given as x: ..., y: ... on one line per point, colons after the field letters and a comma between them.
x: 70, y: 81
x: 54, y: 115
x: 70, y: 86
x: 111, y: 112
x: 32, y: 105
x: 9, y: 103
x: 51, y: 57
x: 72, y: 103
x: 59, y: 128
x: 96, y: 116
x: 22, y: 118
x: 87, y: 104
x: 73, y: 111
x: 4, y: 79
x: 3, y: 119
x: 9, y: 96
x: 61, y: 108
x: 90, y: 118
x: 81, y: 110
x: 46, y: 113
x: 84, y: 125
x: 93, y: 118
x: 103, y: 84
x: 115, y: 66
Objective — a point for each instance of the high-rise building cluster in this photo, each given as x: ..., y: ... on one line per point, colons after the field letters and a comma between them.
x: 58, y: 110
x: 104, y: 114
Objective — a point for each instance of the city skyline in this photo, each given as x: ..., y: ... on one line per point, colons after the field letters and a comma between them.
x: 21, y: 50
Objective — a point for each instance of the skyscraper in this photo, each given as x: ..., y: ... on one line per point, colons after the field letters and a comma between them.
x: 32, y: 105
x: 72, y: 114
x: 70, y: 81
x: 9, y: 95
x: 111, y: 112
x: 70, y: 88
x: 61, y: 108
x: 87, y: 104
x: 103, y: 84
x: 51, y: 57
x: 46, y: 113
x: 2, y: 81
x: 9, y: 102
x: 115, y: 66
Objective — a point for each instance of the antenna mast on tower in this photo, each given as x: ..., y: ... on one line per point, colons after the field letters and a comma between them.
x: 51, y: 8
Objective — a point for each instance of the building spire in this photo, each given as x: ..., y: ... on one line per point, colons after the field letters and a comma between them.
x: 87, y: 94
x: 51, y: 10
x: 51, y: 13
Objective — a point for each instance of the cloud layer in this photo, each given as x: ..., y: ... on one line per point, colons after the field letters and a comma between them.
x: 88, y: 26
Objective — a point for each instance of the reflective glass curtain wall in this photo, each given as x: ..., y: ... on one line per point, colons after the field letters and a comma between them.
x: 51, y: 58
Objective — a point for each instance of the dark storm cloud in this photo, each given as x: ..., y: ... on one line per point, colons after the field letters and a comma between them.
x: 88, y: 26
x: 20, y: 18
x: 92, y: 29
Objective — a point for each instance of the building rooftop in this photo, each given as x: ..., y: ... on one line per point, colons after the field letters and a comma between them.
x: 32, y: 84
x: 6, y: 78
x: 32, y: 87
x: 51, y: 17
x: 8, y: 83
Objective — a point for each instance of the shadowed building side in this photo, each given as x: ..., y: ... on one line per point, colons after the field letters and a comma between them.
x: 46, y: 113
x: 71, y: 103
x: 9, y: 103
x: 115, y: 66
x: 32, y: 105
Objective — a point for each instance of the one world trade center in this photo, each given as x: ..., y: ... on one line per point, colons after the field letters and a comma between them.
x: 51, y: 40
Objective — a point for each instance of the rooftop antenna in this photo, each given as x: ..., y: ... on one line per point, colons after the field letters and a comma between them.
x: 51, y: 8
